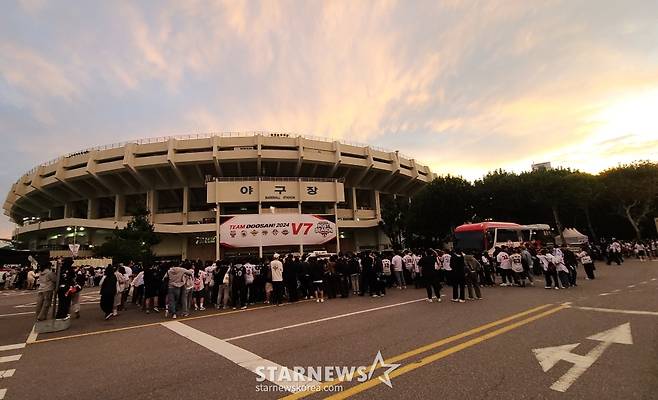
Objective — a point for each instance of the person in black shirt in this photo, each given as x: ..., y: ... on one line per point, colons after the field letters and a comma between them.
x: 238, y: 285
x: 317, y: 272
x: 290, y: 272
x: 66, y: 280
x: 152, y: 281
x: 429, y: 274
x: 458, y: 267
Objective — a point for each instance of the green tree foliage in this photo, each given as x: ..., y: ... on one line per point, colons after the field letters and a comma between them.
x: 632, y: 190
x: 394, y: 215
x: 558, y: 197
x: 443, y: 205
x: 132, y: 243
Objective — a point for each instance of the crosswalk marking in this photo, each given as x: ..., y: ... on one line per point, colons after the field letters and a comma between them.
x: 10, y: 358
x: 8, y: 373
x: 241, y: 357
x: 12, y: 346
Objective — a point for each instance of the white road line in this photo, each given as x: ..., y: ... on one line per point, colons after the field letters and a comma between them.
x: 616, y: 291
x: 653, y: 279
x: 15, y: 314
x: 10, y: 358
x: 643, y: 283
x: 630, y: 286
x: 614, y: 310
x: 3, y: 392
x: 12, y: 346
x: 316, y: 321
x: 8, y: 373
x: 242, y: 357
x: 605, y: 294
x: 33, y: 335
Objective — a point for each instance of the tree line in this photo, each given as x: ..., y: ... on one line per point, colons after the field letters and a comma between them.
x: 620, y: 202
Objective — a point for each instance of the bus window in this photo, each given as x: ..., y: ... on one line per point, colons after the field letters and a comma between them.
x: 469, y: 240
x: 505, y: 235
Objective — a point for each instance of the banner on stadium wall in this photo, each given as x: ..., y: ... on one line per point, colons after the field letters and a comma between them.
x: 254, y: 230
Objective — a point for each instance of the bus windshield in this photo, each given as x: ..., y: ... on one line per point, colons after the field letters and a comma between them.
x: 505, y: 235
x: 469, y: 240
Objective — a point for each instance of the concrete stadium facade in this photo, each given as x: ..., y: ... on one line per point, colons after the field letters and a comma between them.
x: 81, y: 197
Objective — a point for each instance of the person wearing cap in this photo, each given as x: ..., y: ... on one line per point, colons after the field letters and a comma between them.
x: 276, y: 267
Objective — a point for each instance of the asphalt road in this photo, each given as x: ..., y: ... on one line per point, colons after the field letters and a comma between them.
x: 479, y: 349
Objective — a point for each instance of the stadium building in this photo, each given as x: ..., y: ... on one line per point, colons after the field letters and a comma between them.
x: 258, y: 192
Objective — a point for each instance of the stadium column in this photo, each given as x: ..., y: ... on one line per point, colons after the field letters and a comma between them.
x: 378, y: 208
x: 301, y: 245
x: 92, y: 208
x: 186, y: 203
x: 151, y: 204
x: 260, y: 211
x: 217, y: 246
x: 337, y: 233
x: 354, y: 207
x: 119, y: 206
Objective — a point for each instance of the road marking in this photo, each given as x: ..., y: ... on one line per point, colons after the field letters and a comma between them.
x: 10, y: 358
x: 616, y: 291
x: 614, y: 310
x: 3, y: 392
x: 605, y: 294
x: 653, y: 279
x: 242, y: 357
x: 15, y: 314
x: 33, y: 335
x: 549, y: 356
x: 12, y: 346
x: 8, y: 373
x: 445, y: 353
x: 317, y: 321
x: 125, y: 328
x: 630, y: 286
x: 429, y: 347
x: 643, y: 283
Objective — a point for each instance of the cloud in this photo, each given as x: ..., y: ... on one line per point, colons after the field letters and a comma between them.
x: 465, y: 87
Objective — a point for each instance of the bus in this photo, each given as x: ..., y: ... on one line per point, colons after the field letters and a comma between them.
x: 541, y: 234
x: 486, y: 236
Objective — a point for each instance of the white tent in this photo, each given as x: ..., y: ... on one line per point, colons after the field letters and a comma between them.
x: 572, y: 237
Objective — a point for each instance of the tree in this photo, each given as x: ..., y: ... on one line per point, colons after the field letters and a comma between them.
x: 441, y: 206
x: 546, y: 188
x: 583, y: 190
x: 132, y: 243
x: 394, y: 214
x: 632, y: 190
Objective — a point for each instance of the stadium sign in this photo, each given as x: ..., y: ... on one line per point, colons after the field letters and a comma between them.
x: 252, y: 230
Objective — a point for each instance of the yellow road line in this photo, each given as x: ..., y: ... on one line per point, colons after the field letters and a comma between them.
x: 442, y: 354
x: 125, y: 328
x: 431, y: 346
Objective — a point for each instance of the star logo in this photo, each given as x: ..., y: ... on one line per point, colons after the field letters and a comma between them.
x: 379, y: 360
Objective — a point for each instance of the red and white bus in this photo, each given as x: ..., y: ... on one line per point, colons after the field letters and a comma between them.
x: 489, y: 235
x: 485, y: 236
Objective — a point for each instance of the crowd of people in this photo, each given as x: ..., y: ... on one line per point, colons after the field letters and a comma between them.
x: 179, y: 288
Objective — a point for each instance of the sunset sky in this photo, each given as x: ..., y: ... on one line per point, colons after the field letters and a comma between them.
x: 464, y: 86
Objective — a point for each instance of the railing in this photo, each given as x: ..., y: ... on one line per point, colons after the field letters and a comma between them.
x: 161, y: 139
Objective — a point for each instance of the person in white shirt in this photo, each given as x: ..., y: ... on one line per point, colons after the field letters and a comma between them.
x: 516, y: 260
x: 561, y: 268
x: 505, y: 266
x: 550, y: 273
x: 444, y: 268
x: 397, y: 270
x: 614, y: 252
x: 588, y: 263
x: 276, y: 267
